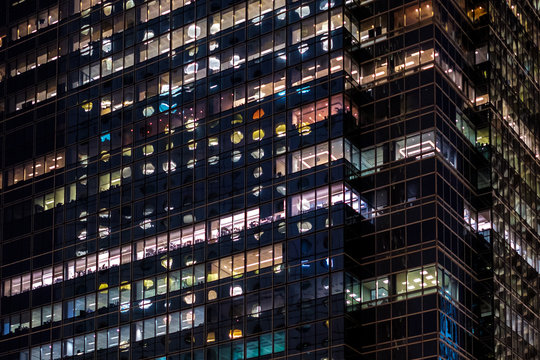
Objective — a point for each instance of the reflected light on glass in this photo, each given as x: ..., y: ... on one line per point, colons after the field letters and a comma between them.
x: 236, y: 155
x: 145, y: 304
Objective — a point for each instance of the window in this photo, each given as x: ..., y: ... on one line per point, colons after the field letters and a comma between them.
x: 481, y: 55
x: 470, y: 216
x: 314, y: 156
x: 280, y: 166
x: 35, y: 168
x: 234, y: 266
x: 465, y: 127
x: 320, y: 198
x: 152, y: 246
x: 31, y: 25
x: 306, y: 115
x: 373, y: 157
x: 415, y: 145
x: 484, y: 220
x: 371, y: 29
x: 448, y: 283
x: 446, y: 150
x: 233, y: 224
x: 413, y: 280
x: 161, y: 325
x: 375, y: 289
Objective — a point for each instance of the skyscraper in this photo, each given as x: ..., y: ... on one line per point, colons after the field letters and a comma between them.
x: 269, y: 179
x: 449, y: 150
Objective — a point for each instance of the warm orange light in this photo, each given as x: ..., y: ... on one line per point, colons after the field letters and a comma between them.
x: 258, y: 114
x: 235, y: 334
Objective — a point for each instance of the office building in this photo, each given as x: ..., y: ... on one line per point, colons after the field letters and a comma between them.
x: 449, y: 149
x: 278, y: 179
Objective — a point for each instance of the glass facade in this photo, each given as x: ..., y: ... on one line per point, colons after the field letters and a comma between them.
x: 240, y: 179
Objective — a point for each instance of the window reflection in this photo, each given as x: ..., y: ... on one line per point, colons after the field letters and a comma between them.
x: 153, y: 46
x: 264, y: 344
x: 229, y: 225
